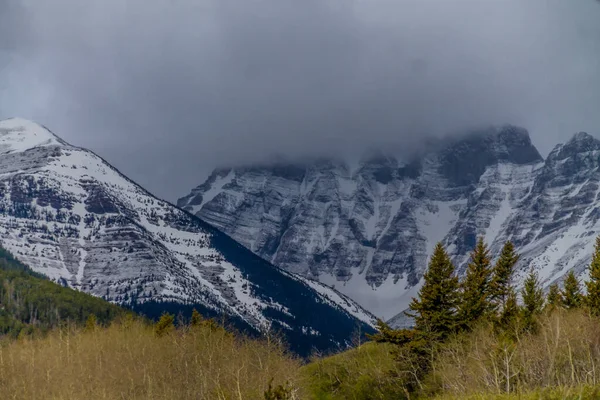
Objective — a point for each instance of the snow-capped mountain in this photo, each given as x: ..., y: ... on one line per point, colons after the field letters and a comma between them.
x: 368, y: 229
x: 70, y: 215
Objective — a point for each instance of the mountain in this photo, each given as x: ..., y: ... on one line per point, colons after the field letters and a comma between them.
x: 32, y: 304
x: 71, y: 216
x: 367, y: 228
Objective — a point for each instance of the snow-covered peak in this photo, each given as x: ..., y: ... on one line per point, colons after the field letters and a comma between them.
x: 18, y: 135
x: 68, y: 214
x: 580, y: 143
x: 581, y: 137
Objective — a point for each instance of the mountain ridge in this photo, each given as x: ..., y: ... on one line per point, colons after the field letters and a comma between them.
x: 369, y: 230
x: 71, y: 215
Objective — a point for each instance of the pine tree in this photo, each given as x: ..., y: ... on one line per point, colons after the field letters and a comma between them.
x: 386, y: 334
x: 501, y: 285
x: 165, y: 325
x: 434, y: 310
x: 571, y: 293
x: 554, y: 298
x: 533, y: 300
x: 475, y: 288
x: 196, y: 319
x: 592, y: 298
x: 509, y: 317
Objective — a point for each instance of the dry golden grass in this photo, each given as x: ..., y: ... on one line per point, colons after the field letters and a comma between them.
x: 128, y: 361
x: 565, y: 353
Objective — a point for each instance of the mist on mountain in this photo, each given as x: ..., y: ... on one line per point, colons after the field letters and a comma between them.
x: 169, y: 90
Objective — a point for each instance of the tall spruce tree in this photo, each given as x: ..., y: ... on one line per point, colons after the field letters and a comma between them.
x: 592, y: 299
x: 196, y: 319
x: 509, y: 317
x: 434, y: 310
x: 501, y: 285
x: 533, y: 300
x: 554, y: 298
x: 475, y: 288
x: 571, y: 294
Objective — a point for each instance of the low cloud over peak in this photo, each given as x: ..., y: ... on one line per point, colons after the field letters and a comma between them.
x: 167, y: 90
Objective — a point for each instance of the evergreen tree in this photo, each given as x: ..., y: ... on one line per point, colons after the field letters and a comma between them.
x: 533, y: 300
x: 196, y: 319
x: 434, y: 310
x: 571, y: 294
x: 386, y: 334
x: 554, y: 298
x: 475, y: 288
x: 593, y: 285
x: 509, y: 317
x: 165, y: 325
x: 501, y: 285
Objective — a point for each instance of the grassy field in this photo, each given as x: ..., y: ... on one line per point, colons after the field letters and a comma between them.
x: 567, y: 393
x: 129, y: 361
x: 560, y: 360
x: 47, y: 351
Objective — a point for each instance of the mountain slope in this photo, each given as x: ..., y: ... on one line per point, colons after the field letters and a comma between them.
x: 73, y: 217
x: 30, y: 303
x: 368, y: 230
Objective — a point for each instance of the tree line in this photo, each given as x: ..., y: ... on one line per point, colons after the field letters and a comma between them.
x: 446, y: 305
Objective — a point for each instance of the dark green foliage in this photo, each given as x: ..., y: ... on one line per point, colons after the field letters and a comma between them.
x: 394, y: 336
x: 411, y: 343
x: 554, y: 298
x: 31, y: 303
x: 280, y: 392
x: 509, y: 318
x: 435, y: 317
x: 592, y: 298
x: 501, y: 284
x: 165, y: 325
x: 533, y: 300
x: 196, y: 319
x: 9, y: 263
x: 475, y: 288
x: 571, y: 294
x: 434, y: 310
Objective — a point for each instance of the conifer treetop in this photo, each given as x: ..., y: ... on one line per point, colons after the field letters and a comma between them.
x: 554, y: 298
x: 592, y: 298
x: 571, y: 294
x: 475, y: 288
x: 503, y: 271
x: 434, y: 310
x: 533, y: 300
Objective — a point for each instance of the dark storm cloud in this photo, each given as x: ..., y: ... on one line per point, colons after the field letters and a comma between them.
x: 166, y: 90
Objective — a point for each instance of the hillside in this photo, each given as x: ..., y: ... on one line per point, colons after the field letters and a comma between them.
x: 32, y: 304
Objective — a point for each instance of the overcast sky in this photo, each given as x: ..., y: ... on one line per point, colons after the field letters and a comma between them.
x: 168, y: 89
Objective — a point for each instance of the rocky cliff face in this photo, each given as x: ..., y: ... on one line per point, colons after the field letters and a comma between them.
x: 368, y: 230
x: 71, y: 216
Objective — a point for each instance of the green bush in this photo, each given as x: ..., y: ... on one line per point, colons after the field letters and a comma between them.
x: 366, y: 372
